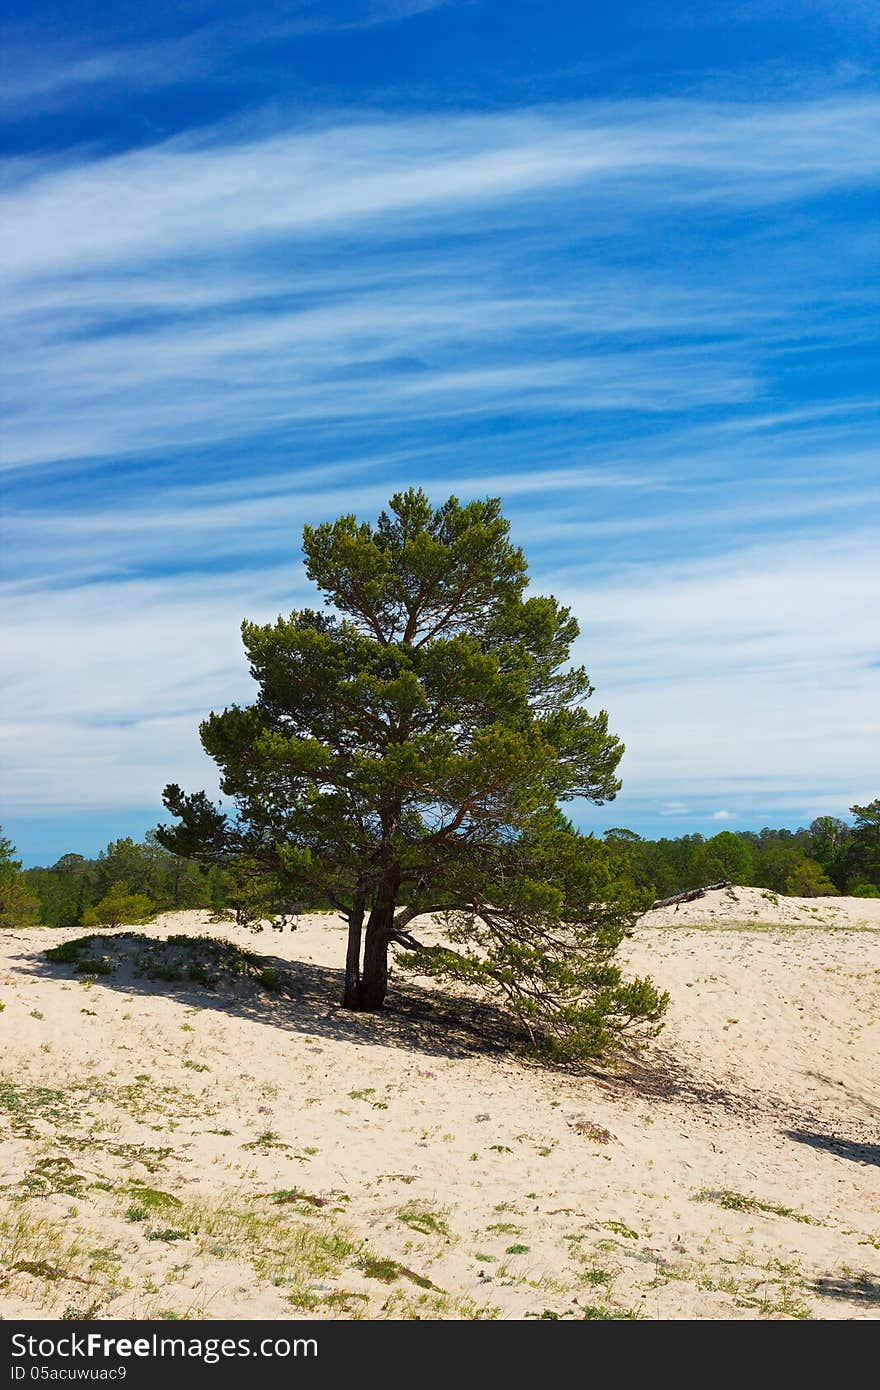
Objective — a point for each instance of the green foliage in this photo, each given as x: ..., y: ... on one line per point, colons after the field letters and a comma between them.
x: 544, y: 948
x: 119, y: 907
x: 808, y: 880
x: 100, y: 966
x: 863, y: 850
x: 726, y: 855
x: 407, y: 754
x: 828, y: 842
x: 74, y: 885
x: 865, y: 890
x: 69, y: 952
x: 19, y: 905
x: 830, y: 857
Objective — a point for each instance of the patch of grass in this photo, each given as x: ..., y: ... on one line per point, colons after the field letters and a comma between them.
x: 69, y: 952
x: 272, y: 979
x: 103, y: 1261
x: 389, y: 1270
x: 787, y: 1305
x: 740, y: 1201
x: 265, y: 1141
x: 80, y: 954
x: 164, y: 970
x: 152, y: 1199
x: 621, y: 1229
x: 594, y: 1314
x: 99, y: 966
x: 294, y: 1194
x: 35, y: 1248
x: 177, y: 959
x: 367, y: 1095
x: 168, y: 1235
x: 517, y: 1250
x: 24, y: 1105
x: 53, y: 1175
x: 375, y: 1268
x: 345, y: 1300
x: 200, y: 975
x: 39, y: 1269
x: 419, y: 1216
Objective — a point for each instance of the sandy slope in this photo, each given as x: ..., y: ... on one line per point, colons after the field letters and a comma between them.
x: 760, y: 907
x: 419, y: 1142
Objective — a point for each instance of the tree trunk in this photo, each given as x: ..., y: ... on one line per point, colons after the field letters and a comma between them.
x: 374, y: 977
x: 691, y: 895
x: 351, y: 998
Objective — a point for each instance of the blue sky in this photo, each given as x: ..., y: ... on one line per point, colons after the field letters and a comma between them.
x: 617, y: 265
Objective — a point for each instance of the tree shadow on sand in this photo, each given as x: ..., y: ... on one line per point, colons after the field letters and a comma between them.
x: 663, y: 1076
x: 416, y: 1018
x: 305, y: 999
x: 859, y: 1288
x: 843, y: 1148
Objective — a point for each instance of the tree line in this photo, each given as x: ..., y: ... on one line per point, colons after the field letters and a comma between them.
x: 131, y: 881
x: 829, y: 857
x: 128, y: 882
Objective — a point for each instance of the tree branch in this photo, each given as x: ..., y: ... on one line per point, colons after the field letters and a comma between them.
x: 403, y: 938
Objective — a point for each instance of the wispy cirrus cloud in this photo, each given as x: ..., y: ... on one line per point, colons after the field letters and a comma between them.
x: 41, y: 74
x: 754, y: 650
x: 640, y: 323
x: 204, y: 190
x: 205, y: 286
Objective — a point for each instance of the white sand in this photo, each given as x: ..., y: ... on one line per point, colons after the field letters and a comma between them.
x: 760, y: 907
x: 764, y: 1084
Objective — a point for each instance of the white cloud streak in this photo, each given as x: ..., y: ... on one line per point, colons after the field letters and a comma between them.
x: 428, y: 275
x: 205, y: 289
x: 191, y: 194
x: 40, y: 75
x: 742, y: 671
x: 722, y: 675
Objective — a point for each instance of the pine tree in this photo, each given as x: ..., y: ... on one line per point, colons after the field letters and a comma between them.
x: 408, y: 753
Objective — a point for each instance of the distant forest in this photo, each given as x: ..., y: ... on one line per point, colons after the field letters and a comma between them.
x: 830, y: 857
x: 130, y: 881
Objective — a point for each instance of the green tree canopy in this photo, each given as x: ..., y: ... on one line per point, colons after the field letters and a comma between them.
x: 119, y: 907
x: 863, y: 850
x: 408, y: 752
x: 19, y: 906
x: 807, y: 879
x: 726, y: 855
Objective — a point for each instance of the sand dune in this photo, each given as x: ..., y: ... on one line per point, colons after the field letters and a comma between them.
x: 240, y: 1146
